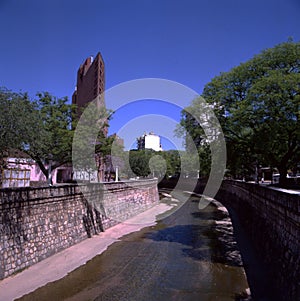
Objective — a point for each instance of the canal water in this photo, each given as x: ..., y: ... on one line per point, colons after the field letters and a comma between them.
x: 188, y: 255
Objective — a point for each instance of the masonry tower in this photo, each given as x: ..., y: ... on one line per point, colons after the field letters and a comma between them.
x: 90, y: 82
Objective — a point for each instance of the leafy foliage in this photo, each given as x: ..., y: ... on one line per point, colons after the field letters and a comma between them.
x: 139, y: 162
x: 258, y: 106
x: 41, y: 128
x: 19, y: 121
x: 89, y: 138
x: 144, y: 163
x: 53, y: 146
x: 196, y: 141
x: 44, y: 129
x: 173, y: 162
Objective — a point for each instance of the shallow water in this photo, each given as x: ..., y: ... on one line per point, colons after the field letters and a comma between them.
x: 189, y: 255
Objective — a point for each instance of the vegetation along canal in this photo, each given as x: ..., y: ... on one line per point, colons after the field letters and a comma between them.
x: 190, y: 254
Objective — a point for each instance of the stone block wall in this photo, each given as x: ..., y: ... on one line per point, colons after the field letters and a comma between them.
x: 36, y: 223
x: 272, y: 219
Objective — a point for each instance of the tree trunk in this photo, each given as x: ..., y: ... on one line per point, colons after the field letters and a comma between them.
x: 282, y: 176
x: 49, y: 175
x: 45, y: 170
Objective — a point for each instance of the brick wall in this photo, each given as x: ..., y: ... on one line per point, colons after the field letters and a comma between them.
x: 36, y: 223
x: 272, y: 220
x: 90, y: 81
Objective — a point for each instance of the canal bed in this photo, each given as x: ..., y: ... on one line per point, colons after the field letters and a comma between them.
x: 190, y: 254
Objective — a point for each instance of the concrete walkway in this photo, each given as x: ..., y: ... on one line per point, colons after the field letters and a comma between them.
x: 60, y: 264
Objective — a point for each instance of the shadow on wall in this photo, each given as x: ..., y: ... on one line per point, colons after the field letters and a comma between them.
x: 92, y: 219
x: 12, y: 220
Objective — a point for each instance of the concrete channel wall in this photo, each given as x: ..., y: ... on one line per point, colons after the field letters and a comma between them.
x: 36, y: 223
x: 272, y: 220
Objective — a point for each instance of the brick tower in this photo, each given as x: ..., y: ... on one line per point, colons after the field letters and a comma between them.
x: 90, y: 81
x: 90, y: 86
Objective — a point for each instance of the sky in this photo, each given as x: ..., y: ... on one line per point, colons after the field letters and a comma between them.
x: 189, y: 42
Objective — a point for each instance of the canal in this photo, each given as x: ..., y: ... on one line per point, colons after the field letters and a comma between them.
x: 190, y: 254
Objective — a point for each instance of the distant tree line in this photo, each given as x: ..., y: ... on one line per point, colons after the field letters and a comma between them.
x: 159, y: 164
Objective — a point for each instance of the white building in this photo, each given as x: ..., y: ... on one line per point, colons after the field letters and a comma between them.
x: 149, y: 141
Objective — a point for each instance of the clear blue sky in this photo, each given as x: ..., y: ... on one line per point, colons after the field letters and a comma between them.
x: 44, y: 42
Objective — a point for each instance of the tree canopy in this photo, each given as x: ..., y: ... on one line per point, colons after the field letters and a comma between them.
x: 44, y: 129
x: 54, y: 144
x: 40, y: 127
x: 19, y: 121
x: 150, y: 163
x: 258, y: 106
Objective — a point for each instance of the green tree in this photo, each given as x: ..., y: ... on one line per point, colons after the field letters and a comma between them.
x: 52, y: 148
x: 158, y: 165
x: 258, y: 106
x: 19, y: 120
x: 41, y: 128
x: 90, y: 143
x: 139, y: 162
x: 197, y: 142
x: 173, y: 162
x: 189, y: 164
x: 44, y: 129
x: 113, y: 155
x: 19, y: 123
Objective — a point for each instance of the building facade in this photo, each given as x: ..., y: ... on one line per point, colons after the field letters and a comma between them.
x: 90, y: 82
x: 149, y: 141
x: 90, y: 86
x: 22, y: 171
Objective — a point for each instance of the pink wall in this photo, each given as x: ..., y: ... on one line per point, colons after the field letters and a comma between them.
x: 61, y: 174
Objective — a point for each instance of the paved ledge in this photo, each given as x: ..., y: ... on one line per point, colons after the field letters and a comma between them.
x: 62, y: 263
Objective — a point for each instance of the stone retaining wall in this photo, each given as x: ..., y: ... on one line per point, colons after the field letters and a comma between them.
x: 272, y: 219
x: 36, y: 223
